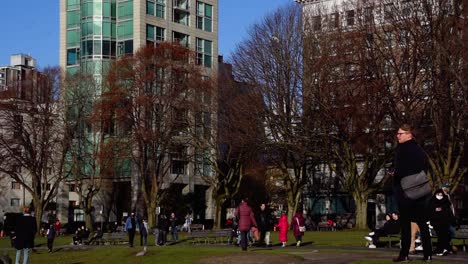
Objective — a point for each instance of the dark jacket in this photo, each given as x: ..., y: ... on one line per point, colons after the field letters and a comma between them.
x: 264, y: 220
x: 25, y: 231
x: 245, y: 217
x: 163, y: 224
x: 51, y: 232
x: 410, y: 159
x: 440, y: 210
x: 391, y: 227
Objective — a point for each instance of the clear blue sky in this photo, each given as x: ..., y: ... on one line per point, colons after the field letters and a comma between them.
x: 32, y: 26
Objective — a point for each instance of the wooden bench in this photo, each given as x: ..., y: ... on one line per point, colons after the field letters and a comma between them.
x: 197, y: 227
x: 220, y: 235
x: 324, y: 226
x: 112, y: 238
x: 462, y: 234
x: 197, y: 236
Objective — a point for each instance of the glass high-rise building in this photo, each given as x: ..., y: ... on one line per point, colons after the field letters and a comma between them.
x: 94, y: 33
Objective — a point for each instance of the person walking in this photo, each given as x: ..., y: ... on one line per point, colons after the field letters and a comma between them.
x: 441, y: 217
x: 50, y: 237
x: 265, y: 224
x: 25, y: 230
x: 298, y: 225
x: 410, y: 159
x: 246, y: 220
x: 283, y: 229
x: 173, y: 227
x: 130, y: 227
x: 144, y: 234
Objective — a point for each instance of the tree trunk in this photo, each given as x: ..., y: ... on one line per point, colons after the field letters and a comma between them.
x: 361, y: 211
x: 218, y: 210
x: 151, y: 212
x: 38, y: 214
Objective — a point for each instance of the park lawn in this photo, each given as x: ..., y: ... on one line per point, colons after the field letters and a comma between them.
x: 185, y: 252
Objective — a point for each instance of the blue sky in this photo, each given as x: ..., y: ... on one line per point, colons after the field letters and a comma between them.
x: 32, y: 26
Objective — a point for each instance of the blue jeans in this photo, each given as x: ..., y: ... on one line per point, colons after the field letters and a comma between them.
x: 25, y: 256
x: 174, y: 234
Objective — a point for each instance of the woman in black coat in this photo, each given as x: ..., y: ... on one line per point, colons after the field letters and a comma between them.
x: 441, y: 217
x: 410, y: 159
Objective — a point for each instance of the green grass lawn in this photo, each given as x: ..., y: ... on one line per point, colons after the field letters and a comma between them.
x: 185, y: 252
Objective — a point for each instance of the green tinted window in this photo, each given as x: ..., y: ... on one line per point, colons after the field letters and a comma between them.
x: 125, y: 29
x: 149, y: 31
x: 72, y: 4
x: 150, y: 8
x: 207, y: 49
x: 72, y: 56
x: 125, y: 9
x: 208, y: 10
x: 97, y: 8
x: 97, y: 27
x: 106, y: 29
x: 73, y: 38
x: 73, y: 18
x: 106, y: 9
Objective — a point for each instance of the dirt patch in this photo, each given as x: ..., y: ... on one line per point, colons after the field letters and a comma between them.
x: 252, y: 258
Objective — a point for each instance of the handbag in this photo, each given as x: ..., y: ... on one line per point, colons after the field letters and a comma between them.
x: 416, y: 185
x: 301, y: 228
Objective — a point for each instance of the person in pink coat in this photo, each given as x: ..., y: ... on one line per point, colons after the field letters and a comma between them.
x: 283, y: 229
x: 298, y: 223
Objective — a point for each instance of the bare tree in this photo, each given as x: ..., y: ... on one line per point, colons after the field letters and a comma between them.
x: 423, y: 46
x: 149, y: 100
x: 270, y: 62
x: 35, y: 138
x: 93, y: 157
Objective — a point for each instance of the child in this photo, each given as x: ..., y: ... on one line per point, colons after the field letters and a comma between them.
x: 283, y: 229
x: 50, y: 237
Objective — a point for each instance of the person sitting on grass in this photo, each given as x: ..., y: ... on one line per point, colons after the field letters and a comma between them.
x: 391, y: 227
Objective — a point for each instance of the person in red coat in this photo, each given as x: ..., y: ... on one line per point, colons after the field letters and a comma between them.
x: 246, y: 220
x: 283, y: 229
x: 298, y: 221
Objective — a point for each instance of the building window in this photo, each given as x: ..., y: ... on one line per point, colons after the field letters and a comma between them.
x: 125, y: 29
x: 15, y: 202
x: 317, y: 23
x: 73, y: 4
x: 154, y: 33
x: 388, y: 39
x: 406, y: 8
x: 204, y: 16
x: 125, y: 47
x: 181, y: 12
x: 388, y: 11
x: 369, y: 15
x: 181, y: 38
x: 156, y: 8
x: 350, y: 18
x: 334, y: 20
x: 73, y: 37
x: 73, y: 19
x: 125, y: 9
x: 73, y: 56
x: 204, y: 52
x: 15, y: 186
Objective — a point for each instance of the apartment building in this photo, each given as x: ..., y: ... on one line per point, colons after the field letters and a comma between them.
x: 94, y: 33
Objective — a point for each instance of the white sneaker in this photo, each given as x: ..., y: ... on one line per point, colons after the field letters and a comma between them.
x: 419, y: 248
x: 298, y: 244
x: 368, y: 238
x: 371, y: 233
x: 417, y: 240
x: 372, y: 246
